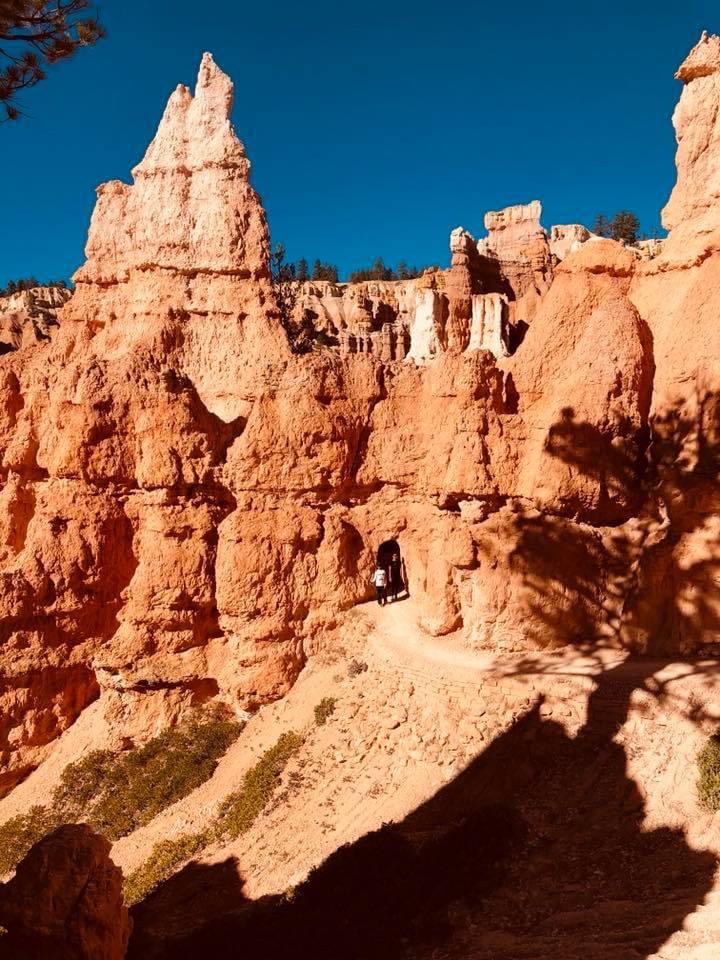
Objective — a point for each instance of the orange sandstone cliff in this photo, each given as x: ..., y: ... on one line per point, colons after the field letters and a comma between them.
x: 188, y: 507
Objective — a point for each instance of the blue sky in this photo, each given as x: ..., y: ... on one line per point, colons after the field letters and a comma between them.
x: 373, y: 131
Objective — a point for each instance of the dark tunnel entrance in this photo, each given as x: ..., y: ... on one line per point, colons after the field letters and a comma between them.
x: 391, y: 560
x: 385, y: 552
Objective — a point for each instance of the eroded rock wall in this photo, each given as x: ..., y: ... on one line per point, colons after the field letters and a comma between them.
x: 188, y: 508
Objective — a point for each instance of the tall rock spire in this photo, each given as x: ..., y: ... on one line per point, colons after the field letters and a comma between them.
x: 692, y: 214
x: 186, y: 245
x: 191, y: 208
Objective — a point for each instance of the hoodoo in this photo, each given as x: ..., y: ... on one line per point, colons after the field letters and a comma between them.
x: 190, y: 509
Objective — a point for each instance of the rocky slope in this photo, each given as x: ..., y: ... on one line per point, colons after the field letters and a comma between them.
x: 188, y: 509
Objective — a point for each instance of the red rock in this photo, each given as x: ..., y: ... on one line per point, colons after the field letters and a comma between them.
x: 65, y: 901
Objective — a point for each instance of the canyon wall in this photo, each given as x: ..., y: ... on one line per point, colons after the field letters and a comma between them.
x: 187, y: 508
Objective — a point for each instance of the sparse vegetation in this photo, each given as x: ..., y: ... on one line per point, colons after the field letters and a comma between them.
x: 117, y: 793
x: 624, y: 226
x: 325, y: 271
x: 287, y: 280
x: 165, y: 857
x: 235, y: 816
x: 708, y: 784
x: 356, y: 667
x: 132, y: 788
x: 379, y: 271
x: 324, y: 710
x: 287, y: 285
x: 19, y: 833
x: 29, y: 283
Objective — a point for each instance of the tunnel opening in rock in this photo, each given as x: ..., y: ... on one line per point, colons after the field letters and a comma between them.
x: 390, y: 558
x: 386, y: 551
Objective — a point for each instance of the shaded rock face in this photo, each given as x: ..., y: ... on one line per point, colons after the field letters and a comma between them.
x: 65, y: 901
x: 188, y: 508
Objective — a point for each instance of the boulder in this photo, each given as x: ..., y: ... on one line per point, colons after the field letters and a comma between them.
x: 65, y: 901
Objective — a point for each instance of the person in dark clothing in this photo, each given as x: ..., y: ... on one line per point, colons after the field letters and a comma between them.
x: 379, y: 578
x: 396, y: 577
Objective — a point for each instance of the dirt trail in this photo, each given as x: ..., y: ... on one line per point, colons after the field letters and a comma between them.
x: 593, y: 754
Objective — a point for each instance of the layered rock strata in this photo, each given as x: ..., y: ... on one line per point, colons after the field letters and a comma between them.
x: 188, y: 508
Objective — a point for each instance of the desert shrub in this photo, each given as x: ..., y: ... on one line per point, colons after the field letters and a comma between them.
x: 165, y: 857
x: 324, y: 710
x: 116, y: 793
x: 19, y: 833
x: 238, y: 811
x: 708, y: 784
x: 235, y: 816
x: 82, y: 782
x: 356, y: 667
x: 141, y: 783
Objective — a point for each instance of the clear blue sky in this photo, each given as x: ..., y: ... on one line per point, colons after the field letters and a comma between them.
x: 373, y: 130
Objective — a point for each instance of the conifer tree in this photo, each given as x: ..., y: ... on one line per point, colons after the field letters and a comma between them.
x: 35, y: 34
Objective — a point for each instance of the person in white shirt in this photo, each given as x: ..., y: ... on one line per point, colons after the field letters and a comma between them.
x: 379, y: 578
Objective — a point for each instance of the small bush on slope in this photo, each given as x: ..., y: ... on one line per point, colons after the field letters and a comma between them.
x: 708, y: 784
x: 325, y: 709
x: 235, y: 816
x: 117, y: 793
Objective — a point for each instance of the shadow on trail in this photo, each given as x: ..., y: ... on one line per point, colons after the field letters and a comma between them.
x: 537, y: 843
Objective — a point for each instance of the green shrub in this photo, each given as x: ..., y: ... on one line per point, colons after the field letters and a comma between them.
x: 238, y: 811
x: 19, y: 833
x: 117, y: 793
x: 325, y: 709
x: 235, y: 816
x: 708, y: 784
x: 165, y: 857
x: 143, y: 782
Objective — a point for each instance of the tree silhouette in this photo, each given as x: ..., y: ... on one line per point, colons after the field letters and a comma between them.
x: 34, y: 34
x: 601, y: 226
x: 625, y: 226
x: 629, y: 579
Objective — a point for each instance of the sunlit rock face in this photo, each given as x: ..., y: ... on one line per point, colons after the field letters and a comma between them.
x: 188, y: 508
x: 29, y: 317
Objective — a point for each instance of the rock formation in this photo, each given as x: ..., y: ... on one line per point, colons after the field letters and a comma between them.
x: 29, y: 316
x: 516, y: 257
x: 65, y: 901
x: 188, y: 508
x: 691, y: 213
x: 567, y: 238
x: 114, y: 436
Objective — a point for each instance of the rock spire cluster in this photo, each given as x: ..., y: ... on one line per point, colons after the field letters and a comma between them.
x: 187, y: 508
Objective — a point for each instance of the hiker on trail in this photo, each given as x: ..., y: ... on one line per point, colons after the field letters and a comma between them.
x: 379, y: 578
x: 396, y: 577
